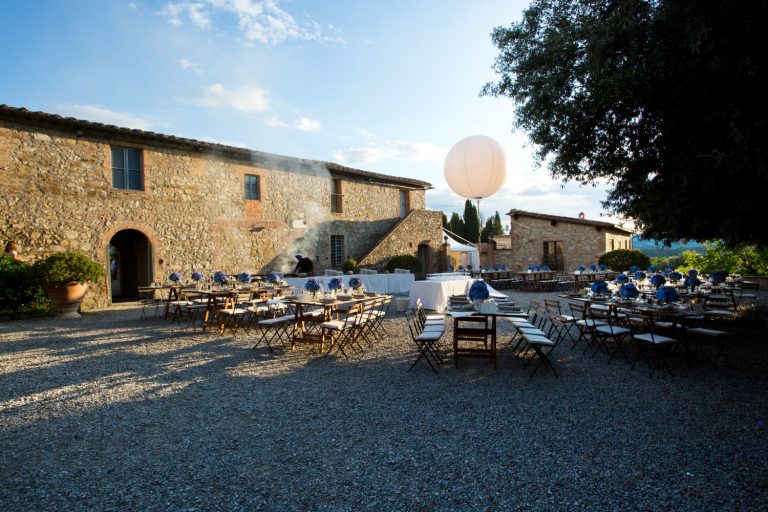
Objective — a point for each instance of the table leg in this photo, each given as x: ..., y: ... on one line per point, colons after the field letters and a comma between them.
x: 171, y: 294
x: 493, y: 341
x: 455, y: 342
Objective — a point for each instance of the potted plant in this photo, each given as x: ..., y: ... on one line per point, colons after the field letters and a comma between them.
x: 65, y: 276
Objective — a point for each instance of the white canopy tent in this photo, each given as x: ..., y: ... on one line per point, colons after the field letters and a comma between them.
x: 462, y: 254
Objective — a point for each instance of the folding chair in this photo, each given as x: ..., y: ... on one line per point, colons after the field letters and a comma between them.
x: 585, y: 324
x: 194, y: 310
x: 427, y: 343
x: 233, y: 314
x: 719, y: 338
x: 531, y: 325
x: 432, y: 316
x: 273, y: 329
x: 377, y: 327
x: 648, y: 339
x: 560, y: 323
x: 615, y: 330
x: 176, y: 307
x: 155, y: 304
x: 369, y: 320
x: 542, y: 347
x: 344, y: 331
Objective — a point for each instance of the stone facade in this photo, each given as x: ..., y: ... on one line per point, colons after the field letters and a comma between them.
x: 57, y: 194
x: 581, y: 241
x: 418, y: 232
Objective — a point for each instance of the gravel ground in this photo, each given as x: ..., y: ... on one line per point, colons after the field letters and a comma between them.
x: 114, y: 413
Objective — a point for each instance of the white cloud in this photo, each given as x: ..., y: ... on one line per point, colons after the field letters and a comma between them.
x: 364, y: 133
x: 263, y: 21
x: 101, y: 114
x: 377, y: 151
x: 301, y: 123
x: 244, y: 99
x: 267, y: 23
x: 276, y: 122
x: 306, y: 124
x: 132, y: 5
x: 187, y: 64
x: 194, y: 11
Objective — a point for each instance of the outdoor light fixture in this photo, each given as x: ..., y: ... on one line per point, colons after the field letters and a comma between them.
x: 475, y: 168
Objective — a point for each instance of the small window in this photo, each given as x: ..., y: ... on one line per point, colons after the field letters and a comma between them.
x: 252, y: 187
x: 337, y: 251
x: 126, y: 169
x: 336, y: 196
x: 610, y: 243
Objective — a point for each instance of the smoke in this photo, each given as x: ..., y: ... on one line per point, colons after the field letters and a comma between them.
x: 306, y: 199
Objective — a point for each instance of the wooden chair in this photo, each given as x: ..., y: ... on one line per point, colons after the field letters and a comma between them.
x: 233, y: 314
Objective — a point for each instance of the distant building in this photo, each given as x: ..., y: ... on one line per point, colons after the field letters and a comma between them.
x: 160, y: 204
x: 562, y: 243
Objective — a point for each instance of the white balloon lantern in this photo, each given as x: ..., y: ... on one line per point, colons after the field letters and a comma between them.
x: 475, y: 168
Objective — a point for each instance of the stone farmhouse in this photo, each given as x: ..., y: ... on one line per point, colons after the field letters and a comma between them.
x: 562, y: 243
x: 159, y: 204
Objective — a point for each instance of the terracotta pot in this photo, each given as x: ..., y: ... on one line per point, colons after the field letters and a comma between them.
x: 67, y: 298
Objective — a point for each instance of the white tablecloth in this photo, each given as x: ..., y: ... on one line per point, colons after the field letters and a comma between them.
x: 434, y: 294
x: 379, y: 283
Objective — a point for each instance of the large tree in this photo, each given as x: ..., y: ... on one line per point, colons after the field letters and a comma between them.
x: 665, y: 100
x: 471, y: 222
x: 456, y: 225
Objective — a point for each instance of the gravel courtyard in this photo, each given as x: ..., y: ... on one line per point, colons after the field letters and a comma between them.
x: 114, y: 413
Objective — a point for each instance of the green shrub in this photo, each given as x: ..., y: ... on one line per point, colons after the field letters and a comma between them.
x: 746, y: 260
x: 670, y: 261
x: 350, y: 265
x: 412, y: 263
x: 20, y: 293
x: 67, y: 267
x: 621, y: 259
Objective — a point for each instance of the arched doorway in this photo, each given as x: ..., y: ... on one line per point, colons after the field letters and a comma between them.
x: 130, y: 263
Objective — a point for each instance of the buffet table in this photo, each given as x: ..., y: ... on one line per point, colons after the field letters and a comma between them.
x: 434, y: 294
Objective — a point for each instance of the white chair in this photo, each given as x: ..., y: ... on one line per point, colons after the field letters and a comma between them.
x: 273, y: 329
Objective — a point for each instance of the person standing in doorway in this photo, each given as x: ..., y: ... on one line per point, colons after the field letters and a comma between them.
x: 304, y: 265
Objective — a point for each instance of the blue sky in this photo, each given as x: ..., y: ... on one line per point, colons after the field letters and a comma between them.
x: 383, y: 86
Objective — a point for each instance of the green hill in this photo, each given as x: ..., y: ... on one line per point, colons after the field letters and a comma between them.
x: 655, y: 249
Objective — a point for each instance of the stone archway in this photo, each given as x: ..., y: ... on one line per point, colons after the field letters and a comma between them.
x: 130, y: 255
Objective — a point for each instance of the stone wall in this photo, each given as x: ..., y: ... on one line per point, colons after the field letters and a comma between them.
x: 57, y: 195
x: 419, y: 228
x: 583, y: 244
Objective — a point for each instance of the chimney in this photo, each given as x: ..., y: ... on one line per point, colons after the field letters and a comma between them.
x: 581, y: 215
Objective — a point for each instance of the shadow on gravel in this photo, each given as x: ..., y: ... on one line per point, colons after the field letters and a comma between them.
x: 115, y: 414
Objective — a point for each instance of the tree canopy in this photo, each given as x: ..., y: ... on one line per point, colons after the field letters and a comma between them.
x: 663, y: 99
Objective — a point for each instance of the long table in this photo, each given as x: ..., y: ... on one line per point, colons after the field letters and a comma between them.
x: 379, y: 283
x: 434, y: 294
